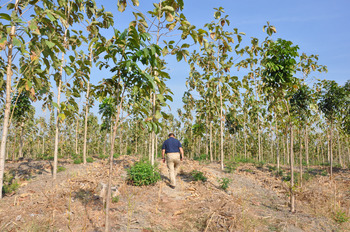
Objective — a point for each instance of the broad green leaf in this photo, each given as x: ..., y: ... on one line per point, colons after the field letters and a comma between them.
x: 68, y: 70
x: 5, y: 16
x: 51, y: 17
x: 16, y: 42
x: 49, y: 44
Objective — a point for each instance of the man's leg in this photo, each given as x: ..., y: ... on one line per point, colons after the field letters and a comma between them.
x: 170, y: 164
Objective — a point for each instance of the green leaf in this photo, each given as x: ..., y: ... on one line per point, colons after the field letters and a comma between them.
x: 49, y: 44
x: 5, y: 16
x: 68, y: 70
x: 55, y: 104
x: 62, y: 116
x: 16, y: 41
x: 51, y: 17
x: 135, y: 2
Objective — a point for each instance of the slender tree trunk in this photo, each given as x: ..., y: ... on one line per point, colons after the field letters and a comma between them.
x: 206, y: 137
x: 57, y: 113
x: 86, y: 116
x: 108, y: 197
x: 211, y: 142
x: 221, y: 131
x: 87, y: 111
x: 277, y: 145
x: 245, y: 137
x: 301, y: 158
x: 331, y: 149
x: 292, y: 196
x: 153, y: 133
x: 307, y: 146
x: 20, y: 152
x: 339, y: 151
x: 7, y: 102
x: 76, y: 135
x: 328, y: 146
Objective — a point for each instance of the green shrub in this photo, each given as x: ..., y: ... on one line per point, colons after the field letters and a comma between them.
x: 198, y: 175
x: 340, y: 216
x: 77, y: 161
x: 244, y: 160
x: 272, y: 168
x: 201, y: 157
x: 102, y: 156
x: 10, y: 185
x: 115, y: 199
x: 61, y: 169
x: 307, y: 176
x: 115, y: 155
x: 143, y: 173
x: 288, y: 177
x: 324, y: 173
x: 231, y: 166
x: 260, y: 164
x: 279, y: 173
x: 224, y: 182
x: 89, y: 159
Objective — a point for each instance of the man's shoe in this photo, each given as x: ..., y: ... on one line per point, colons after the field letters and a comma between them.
x: 173, y: 187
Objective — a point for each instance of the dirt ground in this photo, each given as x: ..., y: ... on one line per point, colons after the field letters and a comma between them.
x: 256, y: 200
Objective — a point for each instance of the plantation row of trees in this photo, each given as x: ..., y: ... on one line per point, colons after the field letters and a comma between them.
x: 271, y: 108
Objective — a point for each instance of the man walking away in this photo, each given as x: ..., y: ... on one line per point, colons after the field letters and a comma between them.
x: 173, y: 149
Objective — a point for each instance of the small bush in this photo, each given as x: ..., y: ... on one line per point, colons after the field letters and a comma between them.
x: 244, y: 160
x: 115, y: 155
x: 115, y: 199
x: 231, y: 166
x: 201, y: 157
x: 89, y: 159
x: 272, y: 168
x: 279, y: 173
x: 224, y: 182
x: 260, y: 164
x: 307, y: 176
x: 10, y: 185
x: 198, y: 175
x: 61, y: 169
x: 102, y: 156
x: 143, y: 173
x: 324, y: 173
x: 340, y: 216
x: 77, y: 161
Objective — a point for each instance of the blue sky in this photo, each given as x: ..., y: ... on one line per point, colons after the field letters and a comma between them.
x: 318, y: 27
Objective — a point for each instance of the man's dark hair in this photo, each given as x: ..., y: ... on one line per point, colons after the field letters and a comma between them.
x: 171, y: 134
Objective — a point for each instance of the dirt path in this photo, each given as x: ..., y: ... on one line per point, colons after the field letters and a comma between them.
x: 254, y: 201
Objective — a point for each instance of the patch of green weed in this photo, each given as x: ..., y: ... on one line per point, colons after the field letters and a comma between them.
x: 143, y: 173
x: 224, y: 183
x: 198, y: 175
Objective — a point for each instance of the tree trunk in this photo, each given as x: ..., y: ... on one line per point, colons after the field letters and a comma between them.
x: 301, y: 158
x: 307, y: 146
x: 153, y: 133
x: 7, y: 103
x: 87, y: 111
x: 245, y: 138
x: 55, y: 155
x: 339, y: 151
x: 292, y: 196
x: 76, y: 135
x: 277, y: 145
x: 331, y: 149
x: 108, y: 197
x: 211, y: 142
x: 20, y: 152
x: 221, y: 131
